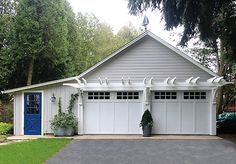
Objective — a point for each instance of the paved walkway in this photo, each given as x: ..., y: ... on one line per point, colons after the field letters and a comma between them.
x: 105, y: 151
x: 158, y: 137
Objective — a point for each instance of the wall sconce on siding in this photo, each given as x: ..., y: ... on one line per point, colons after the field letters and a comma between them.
x: 53, y: 98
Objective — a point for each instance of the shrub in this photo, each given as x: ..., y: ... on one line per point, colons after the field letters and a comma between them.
x: 6, y: 128
x: 63, y: 120
x: 146, y: 119
x: 3, y: 138
x: 6, y: 113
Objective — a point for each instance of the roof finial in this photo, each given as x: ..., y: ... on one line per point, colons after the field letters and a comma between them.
x: 145, y: 22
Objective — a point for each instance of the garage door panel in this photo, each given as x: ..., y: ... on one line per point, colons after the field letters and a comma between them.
x: 173, y: 118
x: 159, y: 115
x: 106, y: 118
x: 188, y: 113
x: 91, y: 118
x: 121, y: 118
x: 187, y: 117
x: 202, y: 117
x: 135, y: 113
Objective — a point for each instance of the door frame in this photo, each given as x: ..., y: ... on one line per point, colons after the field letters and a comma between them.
x: 23, y: 110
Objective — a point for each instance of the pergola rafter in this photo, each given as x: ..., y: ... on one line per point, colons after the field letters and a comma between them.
x: 168, y: 84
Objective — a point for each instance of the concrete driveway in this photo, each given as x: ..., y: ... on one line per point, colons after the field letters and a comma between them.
x: 147, y: 152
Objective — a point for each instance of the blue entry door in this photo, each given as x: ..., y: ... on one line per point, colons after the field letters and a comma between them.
x: 32, y: 113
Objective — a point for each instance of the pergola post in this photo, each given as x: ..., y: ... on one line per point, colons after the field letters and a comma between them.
x: 213, y: 112
x: 80, y: 113
x: 146, y: 99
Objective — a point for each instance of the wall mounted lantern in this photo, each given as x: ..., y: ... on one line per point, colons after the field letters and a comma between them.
x: 53, y: 98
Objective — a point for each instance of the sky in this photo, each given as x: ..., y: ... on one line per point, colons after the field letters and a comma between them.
x: 116, y: 14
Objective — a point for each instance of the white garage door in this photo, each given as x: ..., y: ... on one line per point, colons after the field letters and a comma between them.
x: 112, y: 112
x: 185, y: 112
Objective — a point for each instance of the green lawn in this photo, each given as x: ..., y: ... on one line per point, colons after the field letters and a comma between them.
x: 33, y: 151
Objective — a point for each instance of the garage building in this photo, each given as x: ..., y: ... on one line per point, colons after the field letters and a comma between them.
x: 145, y: 74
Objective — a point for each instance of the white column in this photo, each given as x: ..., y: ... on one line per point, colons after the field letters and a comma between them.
x: 146, y: 99
x: 213, y: 112
x: 80, y: 113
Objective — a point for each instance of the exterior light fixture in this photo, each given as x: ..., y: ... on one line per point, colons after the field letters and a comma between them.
x: 53, y: 98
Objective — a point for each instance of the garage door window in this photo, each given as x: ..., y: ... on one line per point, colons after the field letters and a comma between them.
x: 165, y: 95
x: 194, y: 95
x: 98, y: 95
x: 127, y: 95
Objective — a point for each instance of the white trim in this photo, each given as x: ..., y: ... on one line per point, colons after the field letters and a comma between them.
x: 189, y: 80
x: 42, y: 109
x: 172, y: 81
x: 146, y: 33
x: 144, y: 80
x: 217, y: 80
x: 42, y: 113
x: 39, y: 85
x: 195, y: 80
x: 140, y: 86
x: 213, y: 112
x: 14, y: 116
x: 22, y: 116
x: 80, y: 113
x: 150, y: 80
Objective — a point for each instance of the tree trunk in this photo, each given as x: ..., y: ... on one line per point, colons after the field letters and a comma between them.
x: 30, y: 72
x: 220, y: 72
x: 216, y: 51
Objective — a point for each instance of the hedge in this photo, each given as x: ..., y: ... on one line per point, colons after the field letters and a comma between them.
x: 6, y: 128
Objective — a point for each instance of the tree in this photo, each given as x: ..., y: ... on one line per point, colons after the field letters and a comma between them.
x: 97, y: 40
x: 128, y: 32
x: 7, y: 11
x: 87, y: 26
x: 214, y: 21
x: 7, y: 7
x: 40, y: 35
x: 211, y: 19
x: 43, y: 40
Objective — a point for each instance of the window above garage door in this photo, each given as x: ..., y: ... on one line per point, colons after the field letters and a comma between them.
x: 98, y: 95
x: 165, y: 95
x: 194, y: 95
x: 127, y: 95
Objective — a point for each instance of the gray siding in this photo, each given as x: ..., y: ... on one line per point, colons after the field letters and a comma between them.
x: 49, y: 108
x: 147, y: 58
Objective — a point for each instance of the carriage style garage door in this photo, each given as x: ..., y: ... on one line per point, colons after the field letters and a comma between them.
x: 112, y: 112
x: 185, y: 112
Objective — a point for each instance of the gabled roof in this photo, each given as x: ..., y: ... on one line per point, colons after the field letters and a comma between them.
x: 146, y: 33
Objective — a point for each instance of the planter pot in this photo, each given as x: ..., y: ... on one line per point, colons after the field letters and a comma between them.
x: 147, y: 131
x: 70, y: 131
x: 60, y: 131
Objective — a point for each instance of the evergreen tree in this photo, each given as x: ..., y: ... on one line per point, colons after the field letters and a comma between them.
x: 40, y: 41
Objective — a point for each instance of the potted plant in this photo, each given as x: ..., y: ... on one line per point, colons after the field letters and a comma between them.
x: 71, y: 124
x: 63, y: 124
x: 146, y: 124
x: 58, y: 124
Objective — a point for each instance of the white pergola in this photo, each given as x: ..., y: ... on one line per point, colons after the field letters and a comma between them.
x: 146, y: 86
x: 169, y: 83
